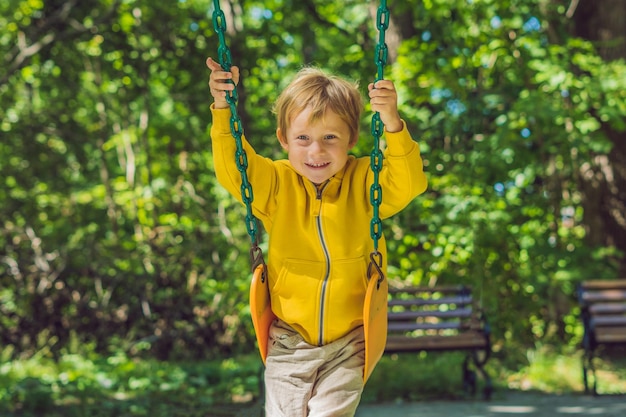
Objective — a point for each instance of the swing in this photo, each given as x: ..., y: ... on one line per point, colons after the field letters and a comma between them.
x: 375, y: 303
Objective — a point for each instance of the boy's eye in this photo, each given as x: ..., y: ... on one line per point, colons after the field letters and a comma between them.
x: 302, y: 137
x: 328, y: 137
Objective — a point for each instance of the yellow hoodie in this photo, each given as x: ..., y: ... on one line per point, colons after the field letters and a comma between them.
x: 319, y: 241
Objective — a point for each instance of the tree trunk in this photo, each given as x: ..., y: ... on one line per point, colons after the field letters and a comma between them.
x: 604, y: 181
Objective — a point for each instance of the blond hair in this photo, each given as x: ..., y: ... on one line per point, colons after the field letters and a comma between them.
x: 320, y: 91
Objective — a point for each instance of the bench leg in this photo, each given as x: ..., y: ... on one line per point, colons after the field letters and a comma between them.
x: 480, y: 366
x: 470, y: 380
x: 585, y: 373
x: 589, y: 369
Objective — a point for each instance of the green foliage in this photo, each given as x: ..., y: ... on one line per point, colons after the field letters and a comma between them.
x: 438, y: 375
x: 416, y: 377
x: 492, y: 97
x: 80, y: 385
x: 553, y: 371
x: 126, y: 241
x: 114, y: 235
x: 122, y: 386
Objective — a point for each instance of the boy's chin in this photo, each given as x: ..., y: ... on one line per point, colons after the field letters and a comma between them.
x: 318, y: 180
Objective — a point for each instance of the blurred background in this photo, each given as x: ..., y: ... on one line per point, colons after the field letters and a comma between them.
x: 124, y: 266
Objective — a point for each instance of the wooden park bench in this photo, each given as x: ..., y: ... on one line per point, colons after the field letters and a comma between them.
x: 441, y: 319
x: 603, y: 313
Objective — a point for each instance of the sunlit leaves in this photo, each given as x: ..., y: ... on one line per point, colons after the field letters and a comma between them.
x: 87, y: 118
x: 489, y: 85
x: 105, y: 153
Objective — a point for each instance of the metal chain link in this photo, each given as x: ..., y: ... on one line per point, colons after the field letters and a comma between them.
x: 376, y: 157
x: 236, y: 129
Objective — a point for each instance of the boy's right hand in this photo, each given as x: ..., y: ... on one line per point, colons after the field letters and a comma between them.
x: 218, y: 82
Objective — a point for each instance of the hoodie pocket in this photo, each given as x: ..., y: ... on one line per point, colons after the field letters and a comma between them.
x: 345, y: 296
x: 296, y: 295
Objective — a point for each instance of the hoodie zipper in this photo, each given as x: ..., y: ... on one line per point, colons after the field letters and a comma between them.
x: 320, y: 234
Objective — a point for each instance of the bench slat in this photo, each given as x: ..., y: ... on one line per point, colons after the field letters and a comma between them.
x: 604, y: 295
x: 414, y: 314
x: 603, y: 284
x: 468, y: 340
x: 607, y: 308
x: 426, y: 291
x: 608, y: 321
x: 459, y: 300
x: 610, y: 335
x: 412, y: 326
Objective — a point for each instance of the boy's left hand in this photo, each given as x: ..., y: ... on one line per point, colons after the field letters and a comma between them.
x: 384, y: 100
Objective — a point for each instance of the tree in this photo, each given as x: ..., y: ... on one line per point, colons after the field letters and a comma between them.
x: 509, y: 125
x: 114, y: 232
x: 603, y: 179
x: 106, y: 234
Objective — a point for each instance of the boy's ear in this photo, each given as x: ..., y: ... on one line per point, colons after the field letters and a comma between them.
x: 353, y: 141
x: 282, y: 139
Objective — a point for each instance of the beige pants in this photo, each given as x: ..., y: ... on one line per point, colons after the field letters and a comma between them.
x: 317, y: 381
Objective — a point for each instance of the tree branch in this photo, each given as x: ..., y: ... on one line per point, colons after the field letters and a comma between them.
x: 571, y: 9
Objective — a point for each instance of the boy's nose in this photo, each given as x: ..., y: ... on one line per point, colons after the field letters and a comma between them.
x: 316, y: 147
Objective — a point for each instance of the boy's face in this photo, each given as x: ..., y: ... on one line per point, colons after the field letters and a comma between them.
x: 317, y: 149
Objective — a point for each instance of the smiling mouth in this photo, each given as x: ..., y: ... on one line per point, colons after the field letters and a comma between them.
x: 320, y: 165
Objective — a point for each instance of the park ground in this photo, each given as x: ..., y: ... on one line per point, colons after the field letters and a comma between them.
x: 509, y: 404
x: 503, y: 404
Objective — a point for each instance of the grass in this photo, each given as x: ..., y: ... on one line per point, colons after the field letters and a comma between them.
x: 123, y: 387
x: 562, y: 372
x: 411, y: 377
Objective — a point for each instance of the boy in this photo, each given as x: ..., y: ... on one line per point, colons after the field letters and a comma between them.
x: 316, y: 209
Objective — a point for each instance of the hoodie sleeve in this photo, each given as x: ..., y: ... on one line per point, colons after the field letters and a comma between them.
x: 261, y: 170
x: 402, y: 177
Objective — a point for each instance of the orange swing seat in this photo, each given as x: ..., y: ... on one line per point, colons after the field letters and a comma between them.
x: 260, y: 308
x: 375, y: 323
x: 374, y: 317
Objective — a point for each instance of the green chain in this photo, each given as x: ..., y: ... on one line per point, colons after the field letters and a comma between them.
x: 376, y: 157
x: 236, y: 129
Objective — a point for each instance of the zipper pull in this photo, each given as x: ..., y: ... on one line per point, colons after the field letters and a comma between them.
x: 319, y: 189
